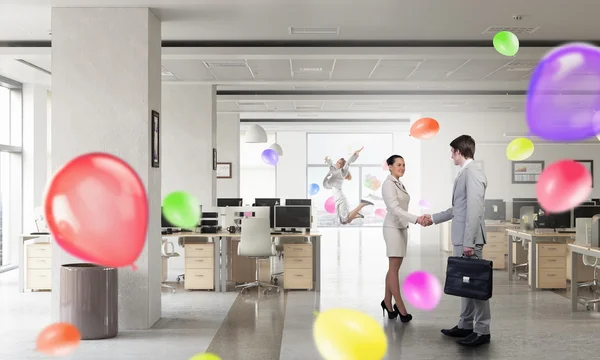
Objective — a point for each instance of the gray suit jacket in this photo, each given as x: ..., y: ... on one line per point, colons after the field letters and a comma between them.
x: 396, y: 201
x: 466, y: 213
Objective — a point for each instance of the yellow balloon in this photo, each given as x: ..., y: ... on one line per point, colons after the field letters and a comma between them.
x: 519, y: 149
x: 349, y: 335
x: 205, y: 356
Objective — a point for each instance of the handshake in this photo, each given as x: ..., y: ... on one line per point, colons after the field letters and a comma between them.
x: 425, y: 220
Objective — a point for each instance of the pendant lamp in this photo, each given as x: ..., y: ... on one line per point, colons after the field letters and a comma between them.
x: 256, y: 134
x: 277, y: 149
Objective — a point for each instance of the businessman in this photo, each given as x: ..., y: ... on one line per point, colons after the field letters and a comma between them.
x: 468, y: 237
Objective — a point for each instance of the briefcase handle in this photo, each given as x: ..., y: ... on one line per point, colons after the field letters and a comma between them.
x: 468, y: 257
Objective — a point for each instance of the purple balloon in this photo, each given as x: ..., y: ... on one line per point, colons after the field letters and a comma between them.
x: 270, y: 157
x: 422, y: 290
x: 552, y: 112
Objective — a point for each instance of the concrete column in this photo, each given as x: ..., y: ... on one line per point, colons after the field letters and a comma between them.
x: 106, y: 80
x: 189, y: 137
x: 228, y: 148
x: 291, y: 169
x: 35, y: 150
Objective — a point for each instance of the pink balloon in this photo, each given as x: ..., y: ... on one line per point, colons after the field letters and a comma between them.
x: 380, y: 213
x: 385, y: 166
x: 97, y: 210
x: 563, y: 185
x: 425, y: 204
x: 422, y: 290
x: 330, y: 205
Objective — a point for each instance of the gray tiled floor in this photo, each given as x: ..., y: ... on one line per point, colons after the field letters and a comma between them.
x: 525, y: 325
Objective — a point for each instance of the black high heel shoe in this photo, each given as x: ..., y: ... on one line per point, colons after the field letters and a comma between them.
x: 404, y: 318
x: 391, y: 314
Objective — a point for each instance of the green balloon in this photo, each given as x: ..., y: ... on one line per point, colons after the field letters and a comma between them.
x: 181, y: 209
x: 506, y: 43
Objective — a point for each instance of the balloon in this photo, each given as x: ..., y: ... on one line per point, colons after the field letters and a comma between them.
x: 371, y: 182
x: 97, y: 210
x: 424, y: 128
x: 506, y: 43
x: 563, y: 185
x: 270, y: 157
x: 181, y: 209
x: 380, y: 213
x: 519, y: 149
x: 552, y: 115
x: 205, y: 356
x: 424, y: 204
x: 330, y: 205
x: 350, y: 335
x: 313, y: 189
x: 385, y: 166
x: 58, y: 339
x: 422, y: 290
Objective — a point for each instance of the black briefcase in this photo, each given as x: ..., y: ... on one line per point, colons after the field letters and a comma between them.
x: 469, y: 278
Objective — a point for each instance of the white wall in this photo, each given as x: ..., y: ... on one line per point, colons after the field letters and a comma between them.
x: 228, y: 150
x: 487, y: 129
x: 291, y: 170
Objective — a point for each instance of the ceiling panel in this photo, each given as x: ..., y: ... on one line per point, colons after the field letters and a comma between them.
x: 353, y: 69
x: 232, y: 73
x: 395, y: 69
x: 266, y: 69
x: 477, y: 69
x: 336, y: 105
x: 436, y: 69
x: 188, y: 70
x: 516, y: 70
x: 281, y: 106
x: 303, y: 65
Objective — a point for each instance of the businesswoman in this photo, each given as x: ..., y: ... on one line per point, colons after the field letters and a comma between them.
x: 335, y: 180
x: 395, y: 234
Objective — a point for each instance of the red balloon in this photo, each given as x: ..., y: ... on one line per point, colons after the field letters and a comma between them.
x: 563, y: 185
x: 424, y: 128
x: 97, y: 210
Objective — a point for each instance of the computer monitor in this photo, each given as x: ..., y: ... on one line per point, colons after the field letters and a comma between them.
x: 270, y: 202
x: 495, y: 210
x: 306, y: 202
x: 588, y: 203
x: 292, y: 217
x: 518, y: 203
x: 597, y: 201
x: 554, y: 221
x: 224, y: 202
x: 585, y: 211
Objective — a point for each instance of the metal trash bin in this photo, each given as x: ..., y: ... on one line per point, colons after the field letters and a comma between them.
x: 89, y: 299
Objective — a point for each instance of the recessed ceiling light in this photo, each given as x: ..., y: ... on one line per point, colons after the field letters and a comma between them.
x: 517, y: 30
x: 215, y: 64
x: 310, y: 69
x: 314, y: 30
x: 500, y: 108
x: 521, y: 69
x: 166, y: 73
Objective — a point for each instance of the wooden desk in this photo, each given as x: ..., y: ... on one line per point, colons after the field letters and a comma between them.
x: 531, y: 239
x: 40, y: 277
x: 220, y: 251
x: 584, y: 251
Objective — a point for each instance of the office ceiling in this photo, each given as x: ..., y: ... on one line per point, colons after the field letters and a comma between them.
x: 330, y: 19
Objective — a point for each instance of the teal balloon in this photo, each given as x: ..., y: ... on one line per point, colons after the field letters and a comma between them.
x: 181, y: 209
x: 506, y: 43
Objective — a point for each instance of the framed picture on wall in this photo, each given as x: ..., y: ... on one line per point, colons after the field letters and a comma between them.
x: 526, y: 172
x: 155, y: 137
x: 589, y: 165
x: 223, y: 170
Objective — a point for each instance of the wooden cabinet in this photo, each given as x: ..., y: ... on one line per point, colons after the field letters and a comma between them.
x: 496, y: 247
x: 39, y: 267
x: 551, y: 266
x: 297, y: 266
x: 199, y: 267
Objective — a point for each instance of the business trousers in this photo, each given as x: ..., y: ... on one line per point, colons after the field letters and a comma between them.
x: 474, y: 314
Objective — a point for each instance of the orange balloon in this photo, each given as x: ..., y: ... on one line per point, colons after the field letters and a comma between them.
x: 58, y: 339
x: 424, y: 128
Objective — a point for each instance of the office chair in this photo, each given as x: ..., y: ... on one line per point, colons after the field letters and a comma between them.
x: 279, y: 252
x: 166, y: 255
x: 583, y: 227
x: 255, y: 242
x: 181, y: 243
x: 525, y: 266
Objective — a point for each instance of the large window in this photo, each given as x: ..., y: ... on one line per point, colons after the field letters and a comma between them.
x: 10, y: 169
x: 367, y: 172
x: 257, y: 179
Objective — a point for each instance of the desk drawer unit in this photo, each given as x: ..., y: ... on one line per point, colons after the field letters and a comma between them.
x: 39, y: 267
x: 551, y: 266
x: 496, y: 247
x: 199, y: 267
x: 297, y: 266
